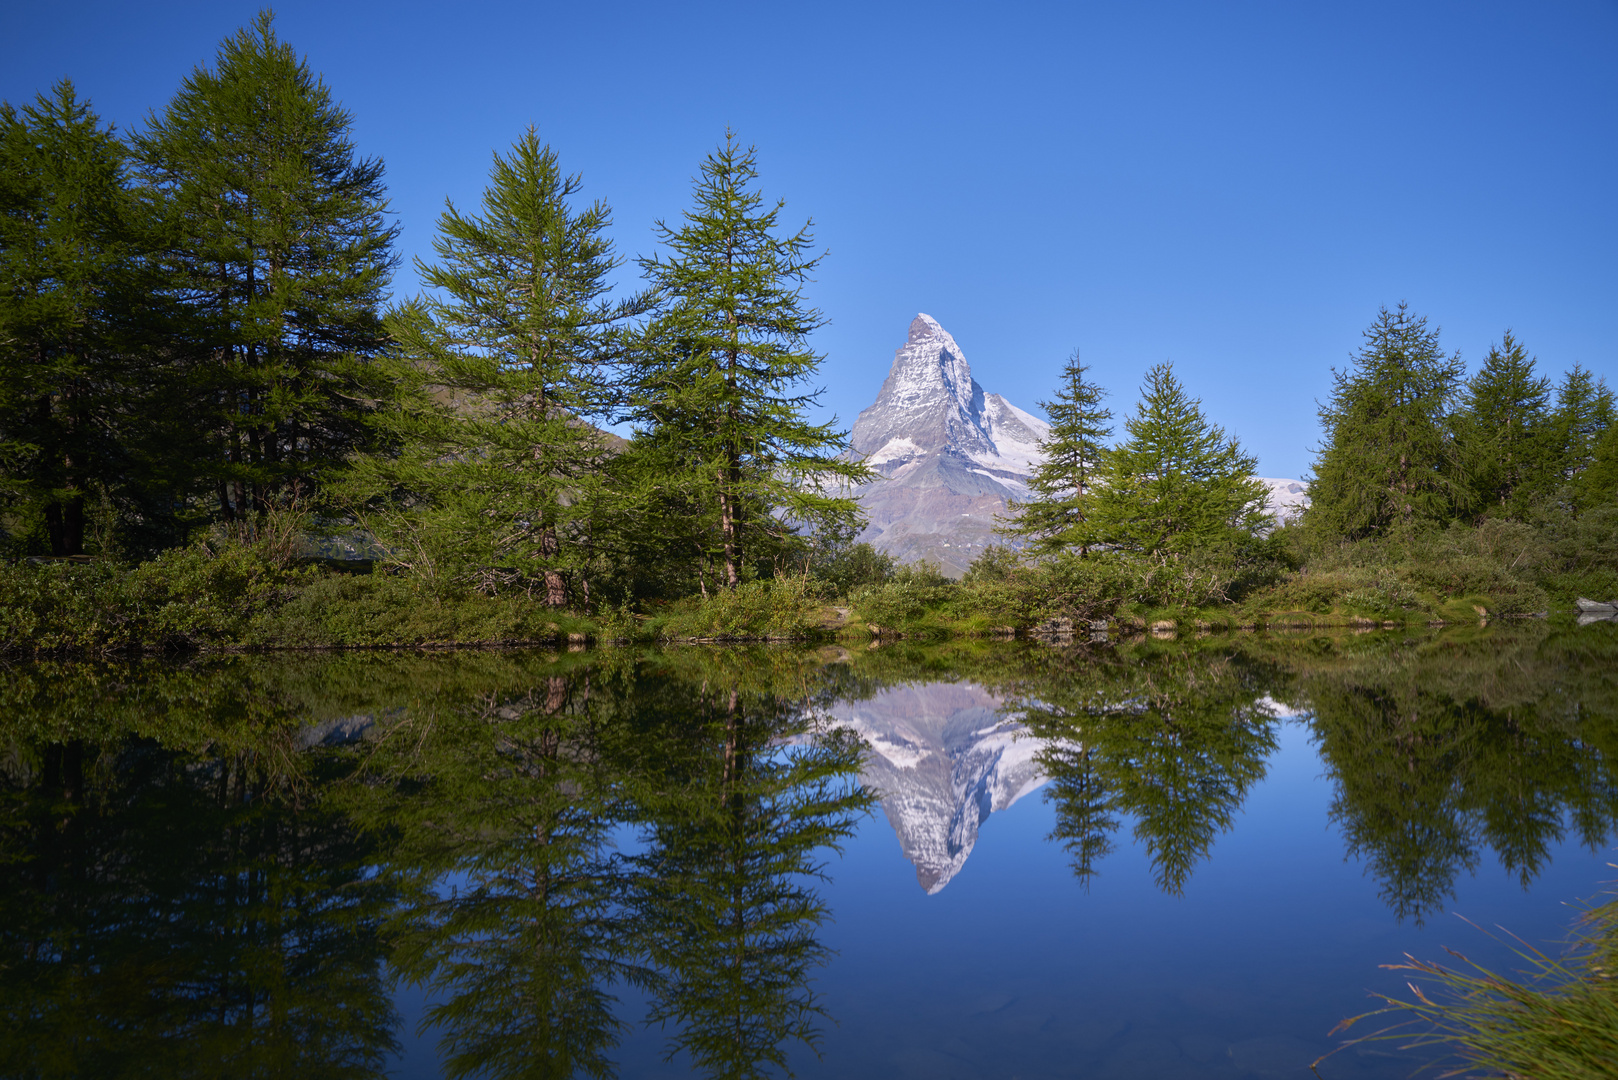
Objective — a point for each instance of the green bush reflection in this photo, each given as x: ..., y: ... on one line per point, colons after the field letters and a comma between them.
x: 222, y: 868
x: 226, y: 880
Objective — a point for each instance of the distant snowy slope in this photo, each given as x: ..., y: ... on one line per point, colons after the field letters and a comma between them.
x: 1288, y: 498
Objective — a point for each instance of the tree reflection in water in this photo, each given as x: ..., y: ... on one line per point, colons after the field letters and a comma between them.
x: 1444, y: 749
x: 740, y: 803
x: 1171, y: 738
x: 175, y: 915
x: 194, y: 893
x: 523, y: 917
x: 1438, y: 750
x: 191, y: 884
x: 512, y: 909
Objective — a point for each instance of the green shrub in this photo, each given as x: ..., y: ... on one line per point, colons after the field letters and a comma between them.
x: 227, y: 594
x: 909, y: 603
x: 995, y: 564
x: 185, y: 598
x: 853, y: 567
x: 772, y: 607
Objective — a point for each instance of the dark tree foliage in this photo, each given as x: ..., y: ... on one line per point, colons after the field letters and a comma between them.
x: 1387, y: 460
x: 174, y: 914
x: 1583, y: 416
x: 71, y: 385
x: 274, y: 254
x: 1598, y: 483
x: 1058, y: 516
x: 1177, y: 483
x: 489, y: 458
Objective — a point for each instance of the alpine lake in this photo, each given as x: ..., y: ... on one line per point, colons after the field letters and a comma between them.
x: 1063, y: 858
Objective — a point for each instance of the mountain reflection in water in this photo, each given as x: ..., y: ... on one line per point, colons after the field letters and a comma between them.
x: 943, y: 756
x: 220, y: 868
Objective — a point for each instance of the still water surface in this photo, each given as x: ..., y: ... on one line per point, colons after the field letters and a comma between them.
x: 1149, y: 859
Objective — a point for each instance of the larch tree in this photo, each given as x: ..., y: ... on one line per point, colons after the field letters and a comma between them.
x: 66, y: 262
x: 275, y: 255
x: 1584, y: 412
x: 1176, y: 484
x: 719, y: 400
x: 1388, y: 459
x: 1502, y: 429
x: 1058, y: 515
x: 489, y: 466
x: 1598, y: 483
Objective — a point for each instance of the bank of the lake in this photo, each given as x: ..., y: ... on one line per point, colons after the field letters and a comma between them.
x: 229, y: 597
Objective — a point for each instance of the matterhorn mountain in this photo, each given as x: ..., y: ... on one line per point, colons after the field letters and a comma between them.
x: 949, y: 457
x: 943, y: 758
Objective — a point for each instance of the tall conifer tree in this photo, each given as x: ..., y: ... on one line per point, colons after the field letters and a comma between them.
x: 1058, y: 516
x: 66, y: 260
x: 1502, y: 429
x: 719, y: 399
x: 1584, y: 411
x: 276, y: 254
x: 490, y: 459
x: 1598, y: 483
x: 1177, y: 484
x: 1388, y: 459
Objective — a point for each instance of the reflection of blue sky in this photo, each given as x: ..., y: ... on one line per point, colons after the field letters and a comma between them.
x: 1016, y: 970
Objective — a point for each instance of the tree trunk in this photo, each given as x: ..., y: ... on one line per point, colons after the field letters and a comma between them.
x: 555, y: 583
x: 64, y: 522
x: 730, y: 515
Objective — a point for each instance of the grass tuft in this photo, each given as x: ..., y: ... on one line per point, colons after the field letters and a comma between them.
x: 1555, y: 1020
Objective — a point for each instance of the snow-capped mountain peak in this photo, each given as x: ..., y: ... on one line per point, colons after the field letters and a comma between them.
x: 949, y: 455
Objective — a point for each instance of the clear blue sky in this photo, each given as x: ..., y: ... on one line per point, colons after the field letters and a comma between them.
x: 1235, y: 187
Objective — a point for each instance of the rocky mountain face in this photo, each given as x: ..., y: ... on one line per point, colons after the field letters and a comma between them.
x: 943, y: 758
x: 949, y: 456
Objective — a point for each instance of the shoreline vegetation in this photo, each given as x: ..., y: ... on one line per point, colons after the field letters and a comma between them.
x: 218, y: 430
x: 233, y: 595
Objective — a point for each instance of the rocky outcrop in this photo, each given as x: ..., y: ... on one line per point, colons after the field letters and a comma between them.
x: 943, y: 758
